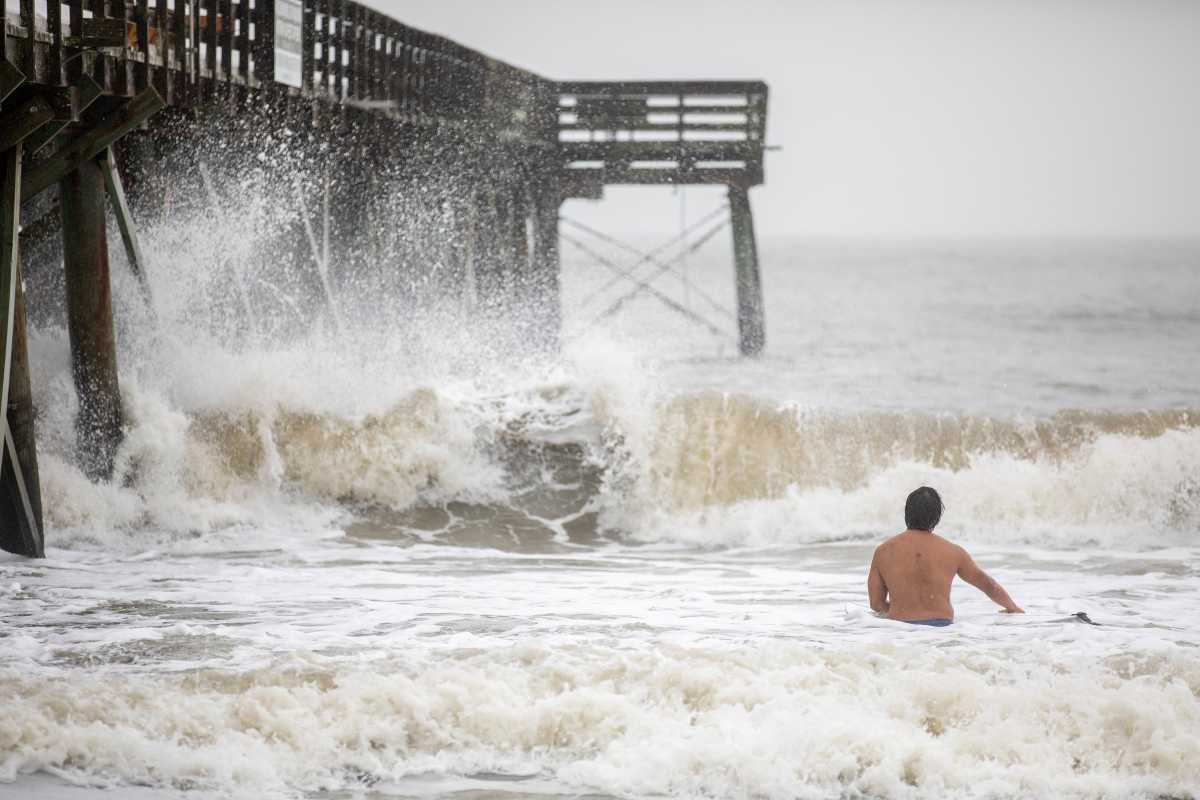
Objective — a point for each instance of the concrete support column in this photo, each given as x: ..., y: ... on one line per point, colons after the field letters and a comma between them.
x: 751, y: 324
x: 90, y: 320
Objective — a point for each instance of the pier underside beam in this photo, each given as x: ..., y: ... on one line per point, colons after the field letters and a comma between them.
x: 89, y: 318
x: 20, y: 492
x: 751, y: 327
x: 92, y: 143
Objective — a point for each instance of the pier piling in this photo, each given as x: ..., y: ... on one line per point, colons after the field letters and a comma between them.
x: 751, y: 335
x: 89, y: 318
x: 544, y: 292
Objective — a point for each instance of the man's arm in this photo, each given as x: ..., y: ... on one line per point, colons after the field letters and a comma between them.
x: 970, y: 572
x: 876, y: 588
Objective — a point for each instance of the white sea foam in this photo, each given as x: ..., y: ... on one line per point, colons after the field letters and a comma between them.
x: 772, y: 721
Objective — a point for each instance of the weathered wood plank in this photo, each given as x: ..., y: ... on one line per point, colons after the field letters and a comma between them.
x: 160, y: 74
x: 91, y: 143
x: 611, y: 88
x: 307, y: 42
x: 54, y: 57
x: 225, y: 9
x: 70, y: 107
x: 99, y: 32
x: 29, y: 22
x: 209, y: 38
x: 180, y: 60
x: 24, y: 120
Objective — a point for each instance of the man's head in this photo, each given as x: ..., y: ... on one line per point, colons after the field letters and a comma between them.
x: 923, y: 509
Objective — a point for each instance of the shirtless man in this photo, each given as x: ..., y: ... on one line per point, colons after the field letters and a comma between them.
x: 911, y: 572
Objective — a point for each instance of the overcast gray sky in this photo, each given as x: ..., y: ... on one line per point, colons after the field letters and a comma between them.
x: 1016, y: 117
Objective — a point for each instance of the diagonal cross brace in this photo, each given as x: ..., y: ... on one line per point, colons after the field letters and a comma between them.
x: 662, y: 298
x: 646, y: 258
x: 643, y: 286
x: 19, y: 495
x: 133, y: 249
x: 670, y: 264
x: 10, y: 275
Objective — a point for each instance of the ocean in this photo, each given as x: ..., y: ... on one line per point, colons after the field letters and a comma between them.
x: 401, y: 557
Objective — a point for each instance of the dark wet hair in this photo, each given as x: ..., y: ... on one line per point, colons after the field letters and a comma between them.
x: 923, y: 510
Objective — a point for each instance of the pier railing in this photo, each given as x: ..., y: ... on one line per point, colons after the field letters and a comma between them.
x: 196, y: 51
x: 661, y: 132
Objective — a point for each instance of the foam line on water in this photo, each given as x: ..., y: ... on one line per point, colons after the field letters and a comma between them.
x: 768, y: 721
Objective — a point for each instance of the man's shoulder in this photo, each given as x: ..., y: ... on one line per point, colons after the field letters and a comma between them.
x: 887, y: 543
x: 946, y: 542
x: 951, y: 551
x: 927, y: 538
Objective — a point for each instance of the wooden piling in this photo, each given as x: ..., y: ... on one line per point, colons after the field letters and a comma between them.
x: 751, y: 328
x: 544, y: 280
x: 517, y: 270
x: 20, y: 492
x: 89, y: 319
x: 485, y: 251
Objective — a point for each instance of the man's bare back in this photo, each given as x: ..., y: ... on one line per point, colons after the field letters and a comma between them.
x: 911, y: 573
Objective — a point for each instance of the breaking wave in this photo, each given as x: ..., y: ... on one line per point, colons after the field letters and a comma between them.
x: 774, y: 721
x: 582, y: 458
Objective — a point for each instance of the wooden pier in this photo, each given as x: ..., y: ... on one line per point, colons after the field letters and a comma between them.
x: 87, y: 85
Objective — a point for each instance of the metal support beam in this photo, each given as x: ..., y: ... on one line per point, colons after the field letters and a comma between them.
x: 116, y: 196
x: 751, y: 326
x: 89, y: 319
x: 20, y: 493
